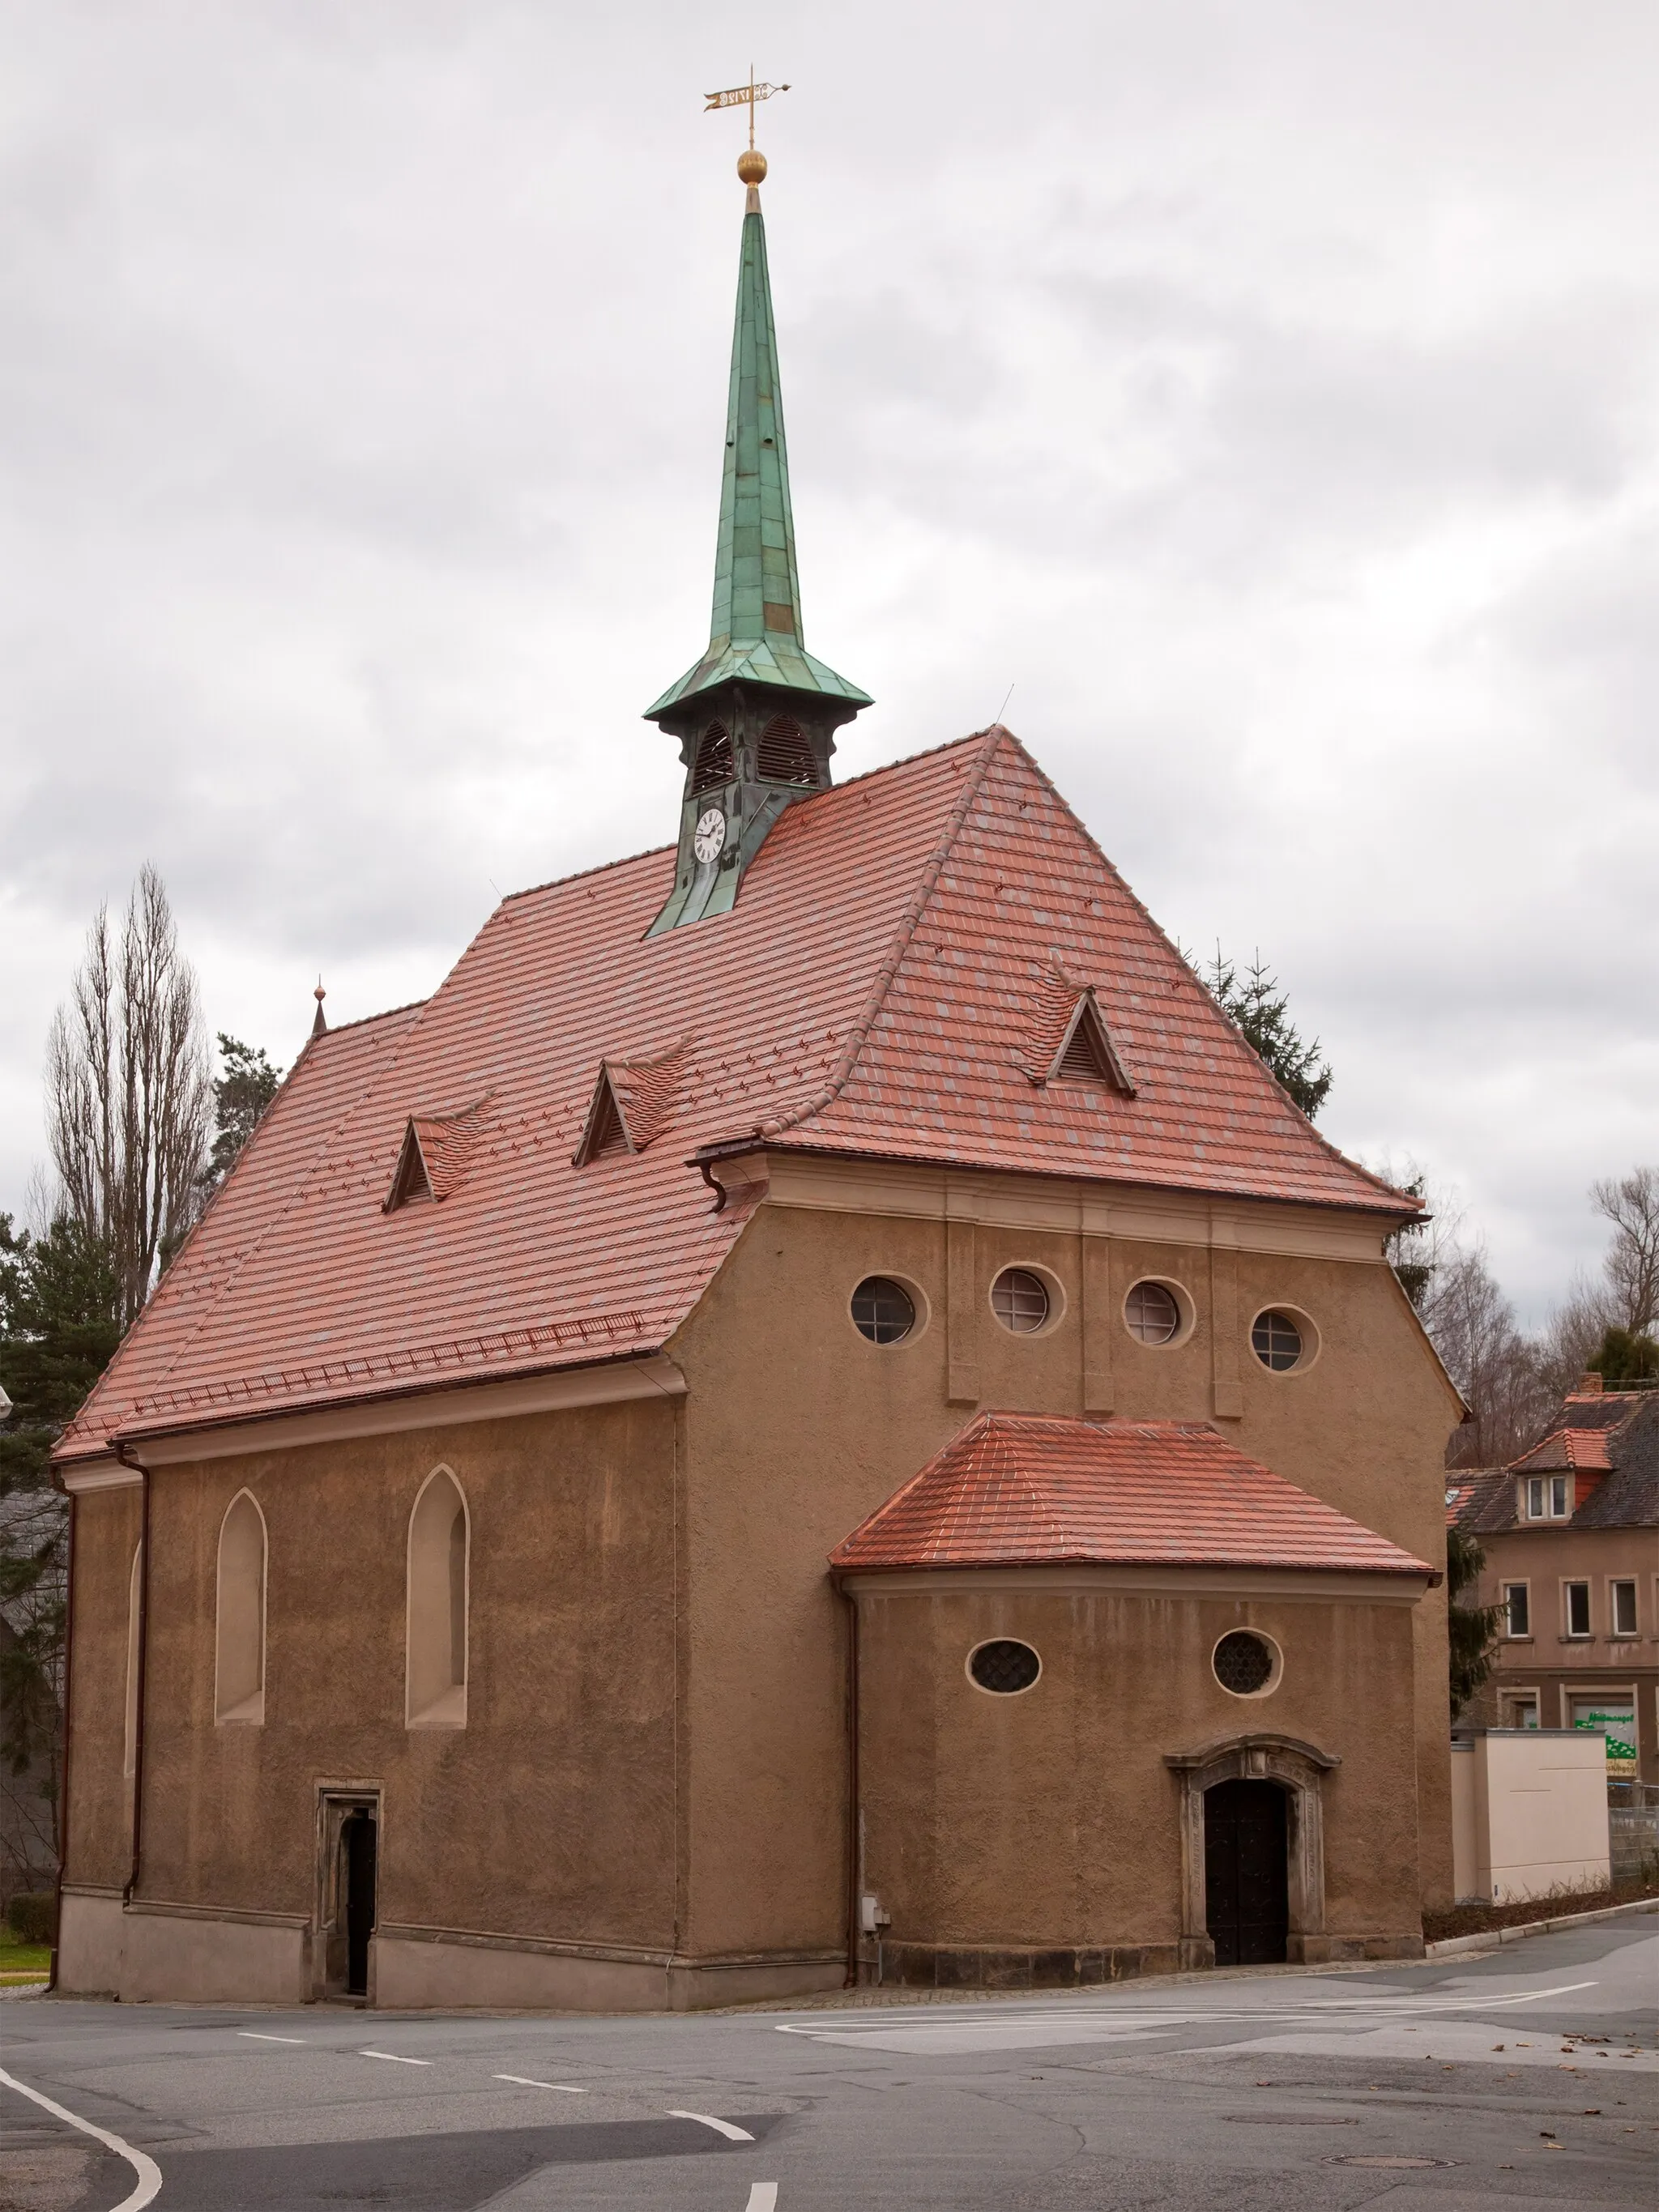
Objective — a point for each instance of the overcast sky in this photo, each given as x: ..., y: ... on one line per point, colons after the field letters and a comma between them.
x: 1266, y: 393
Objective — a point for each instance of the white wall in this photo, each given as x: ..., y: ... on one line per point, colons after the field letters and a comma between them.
x: 1539, y: 1812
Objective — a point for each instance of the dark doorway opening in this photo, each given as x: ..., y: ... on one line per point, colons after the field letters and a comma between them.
x: 1247, y: 1900
x: 357, y: 1841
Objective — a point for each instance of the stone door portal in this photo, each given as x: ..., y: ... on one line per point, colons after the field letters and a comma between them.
x: 1246, y: 1873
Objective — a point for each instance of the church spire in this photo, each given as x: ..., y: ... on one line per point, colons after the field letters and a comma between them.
x: 756, y: 715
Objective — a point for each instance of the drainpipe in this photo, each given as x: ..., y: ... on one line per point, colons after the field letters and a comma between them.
x: 852, y: 1871
x: 64, y: 1770
x: 128, y: 1457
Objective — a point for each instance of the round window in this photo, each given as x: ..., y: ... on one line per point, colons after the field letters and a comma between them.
x: 883, y: 1310
x: 1019, y: 1299
x: 1151, y: 1313
x: 1004, y: 1666
x: 1244, y: 1663
x: 1276, y: 1340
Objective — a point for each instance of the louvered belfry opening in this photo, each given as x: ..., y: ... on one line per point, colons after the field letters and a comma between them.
x: 784, y: 755
x: 714, y: 763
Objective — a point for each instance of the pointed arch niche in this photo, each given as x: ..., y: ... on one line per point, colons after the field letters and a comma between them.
x: 239, y: 1680
x: 440, y: 1542
x: 129, y: 1729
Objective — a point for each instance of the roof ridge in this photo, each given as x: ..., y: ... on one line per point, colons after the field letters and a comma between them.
x: 774, y: 1125
x: 1154, y: 924
x: 302, y: 1187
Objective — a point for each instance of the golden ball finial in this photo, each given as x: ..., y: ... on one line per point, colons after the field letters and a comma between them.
x: 751, y: 166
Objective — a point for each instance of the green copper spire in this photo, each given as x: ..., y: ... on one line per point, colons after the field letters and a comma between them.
x: 757, y: 717
x: 755, y: 633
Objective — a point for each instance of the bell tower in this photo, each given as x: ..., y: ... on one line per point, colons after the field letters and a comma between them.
x: 755, y: 718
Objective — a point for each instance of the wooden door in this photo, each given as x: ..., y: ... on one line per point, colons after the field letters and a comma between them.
x: 1246, y: 1873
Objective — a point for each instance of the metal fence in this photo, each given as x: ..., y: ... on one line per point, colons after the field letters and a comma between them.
x: 1633, y: 1829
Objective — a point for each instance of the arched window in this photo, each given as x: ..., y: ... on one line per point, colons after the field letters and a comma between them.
x: 238, y: 1689
x: 130, y: 1742
x: 435, y: 1673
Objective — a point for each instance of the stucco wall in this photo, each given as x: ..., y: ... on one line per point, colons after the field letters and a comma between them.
x: 551, y: 1813
x: 797, y: 1427
x: 1050, y: 1818
x: 98, y: 1846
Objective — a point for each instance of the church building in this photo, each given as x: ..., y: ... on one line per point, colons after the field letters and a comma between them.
x: 813, y: 1416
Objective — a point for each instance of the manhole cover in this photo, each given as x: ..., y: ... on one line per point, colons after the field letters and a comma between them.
x: 1385, y: 2159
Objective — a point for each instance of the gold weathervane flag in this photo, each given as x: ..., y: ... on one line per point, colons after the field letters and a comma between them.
x: 743, y: 95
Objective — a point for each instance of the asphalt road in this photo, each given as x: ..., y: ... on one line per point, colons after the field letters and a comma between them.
x: 1471, y: 2085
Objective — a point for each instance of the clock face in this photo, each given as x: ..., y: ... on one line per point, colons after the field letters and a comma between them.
x: 709, y: 835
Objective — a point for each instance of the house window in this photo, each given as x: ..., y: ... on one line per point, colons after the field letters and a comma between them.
x: 1546, y: 1498
x: 1518, y: 1609
x: 883, y: 1310
x: 1151, y: 1313
x: 1624, y: 1608
x: 239, y: 1692
x: 1579, y: 1608
x: 1019, y: 1299
x: 1521, y: 1709
x: 435, y: 1670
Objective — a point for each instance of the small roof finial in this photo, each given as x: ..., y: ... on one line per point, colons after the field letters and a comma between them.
x: 751, y: 165
x: 319, y: 1024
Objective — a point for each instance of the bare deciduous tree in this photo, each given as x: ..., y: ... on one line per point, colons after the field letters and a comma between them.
x: 1631, y: 1203
x: 129, y: 1095
x: 1495, y: 1367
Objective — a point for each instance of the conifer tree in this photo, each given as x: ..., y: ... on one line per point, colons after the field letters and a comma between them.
x: 1260, y: 1011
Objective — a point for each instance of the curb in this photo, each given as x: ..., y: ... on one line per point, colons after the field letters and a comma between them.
x: 1486, y: 1937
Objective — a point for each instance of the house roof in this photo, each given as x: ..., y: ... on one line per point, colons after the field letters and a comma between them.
x: 874, y: 992
x: 1614, y: 1435
x: 1027, y: 1489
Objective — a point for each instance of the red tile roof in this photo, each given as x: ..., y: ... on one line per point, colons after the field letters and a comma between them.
x: 1027, y: 1489
x: 875, y: 991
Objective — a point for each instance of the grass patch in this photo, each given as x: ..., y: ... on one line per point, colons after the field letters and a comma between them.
x: 1475, y: 1917
x: 18, y: 1958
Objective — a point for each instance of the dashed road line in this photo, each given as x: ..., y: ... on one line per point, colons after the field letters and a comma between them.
x: 149, y: 2174
x: 721, y: 2127
x: 525, y: 2082
x: 763, y: 2196
x: 395, y: 2057
x: 254, y: 2035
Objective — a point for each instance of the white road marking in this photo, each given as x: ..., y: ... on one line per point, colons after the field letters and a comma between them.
x: 396, y: 2057
x: 724, y: 2127
x: 525, y: 2082
x: 149, y: 2174
x: 763, y: 2196
x: 1027, y: 2030
x: 254, y: 2036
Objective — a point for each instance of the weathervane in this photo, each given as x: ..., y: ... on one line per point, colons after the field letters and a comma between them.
x: 751, y: 166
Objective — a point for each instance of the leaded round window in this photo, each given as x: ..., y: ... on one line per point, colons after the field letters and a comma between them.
x: 1276, y: 1340
x: 1151, y: 1313
x: 883, y: 1310
x: 1004, y: 1666
x: 1019, y: 1299
x: 1244, y: 1663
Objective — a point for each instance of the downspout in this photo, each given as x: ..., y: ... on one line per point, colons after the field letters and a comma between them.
x: 64, y: 1770
x: 128, y: 1458
x: 853, y: 1870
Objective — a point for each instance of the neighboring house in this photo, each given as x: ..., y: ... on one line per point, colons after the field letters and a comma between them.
x: 1570, y: 1533
x: 814, y: 1410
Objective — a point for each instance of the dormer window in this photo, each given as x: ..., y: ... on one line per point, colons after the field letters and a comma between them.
x: 1546, y: 1498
